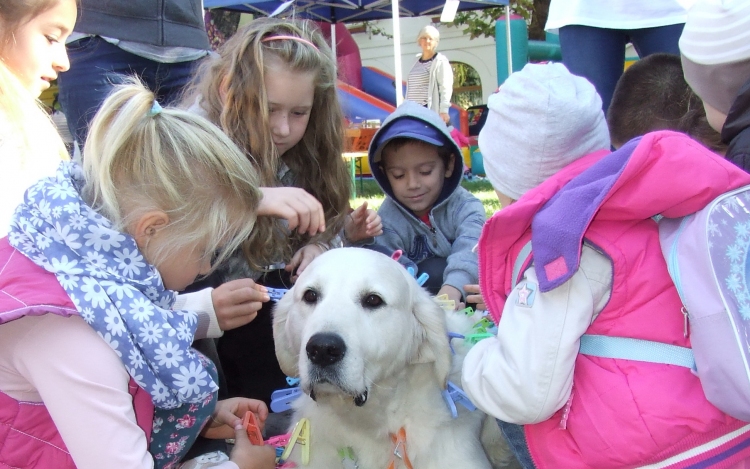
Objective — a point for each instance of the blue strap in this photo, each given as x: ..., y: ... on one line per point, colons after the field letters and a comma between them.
x: 636, y: 349
x: 523, y: 256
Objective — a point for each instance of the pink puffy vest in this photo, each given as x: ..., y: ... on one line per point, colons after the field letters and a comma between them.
x: 28, y: 436
x: 626, y: 413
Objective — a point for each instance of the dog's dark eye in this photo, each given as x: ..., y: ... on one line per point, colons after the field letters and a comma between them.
x: 310, y: 296
x: 372, y: 301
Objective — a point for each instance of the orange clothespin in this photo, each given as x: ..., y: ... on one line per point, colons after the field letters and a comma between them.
x: 300, y: 436
x: 253, y: 430
x: 399, y: 450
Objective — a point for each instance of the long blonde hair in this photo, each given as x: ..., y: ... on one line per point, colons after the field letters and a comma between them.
x: 139, y: 157
x: 237, y: 77
x: 22, y: 113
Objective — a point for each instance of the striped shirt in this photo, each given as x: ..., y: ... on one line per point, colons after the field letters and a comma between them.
x: 418, y: 81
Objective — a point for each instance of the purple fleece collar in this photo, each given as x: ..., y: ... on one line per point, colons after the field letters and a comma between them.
x: 557, y: 229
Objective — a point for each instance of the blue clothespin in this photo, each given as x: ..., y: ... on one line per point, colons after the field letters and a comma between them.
x: 276, y: 293
x: 451, y: 336
x: 292, y: 381
x: 411, y: 271
x: 282, y: 399
x: 423, y: 278
x: 452, y: 395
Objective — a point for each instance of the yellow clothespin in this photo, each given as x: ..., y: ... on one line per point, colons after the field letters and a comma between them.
x: 300, y: 436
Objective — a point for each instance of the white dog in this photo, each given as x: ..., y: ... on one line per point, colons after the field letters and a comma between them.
x: 371, y: 349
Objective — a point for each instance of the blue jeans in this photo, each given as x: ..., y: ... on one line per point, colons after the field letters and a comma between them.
x: 598, y: 54
x: 96, y: 66
x: 516, y: 439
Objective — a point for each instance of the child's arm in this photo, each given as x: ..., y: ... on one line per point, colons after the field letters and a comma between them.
x: 526, y: 374
x: 462, y: 264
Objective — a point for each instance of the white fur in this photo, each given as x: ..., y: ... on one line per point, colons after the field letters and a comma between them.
x: 397, y: 352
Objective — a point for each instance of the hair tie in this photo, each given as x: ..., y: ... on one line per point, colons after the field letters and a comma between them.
x: 155, y: 109
x: 292, y: 38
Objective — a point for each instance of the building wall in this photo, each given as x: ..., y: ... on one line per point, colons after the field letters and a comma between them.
x: 377, y: 51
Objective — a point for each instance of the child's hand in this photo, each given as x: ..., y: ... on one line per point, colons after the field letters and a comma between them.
x: 363, y: 223
x: 453, y: 294
x: 237, y: 303
x: 248, y: 456
x: 228, y: 414
x: 302, y: 259
x: 301, y: 210
x: 476, y: 297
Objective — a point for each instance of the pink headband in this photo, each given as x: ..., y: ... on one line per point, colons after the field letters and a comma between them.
x: 293, y: 38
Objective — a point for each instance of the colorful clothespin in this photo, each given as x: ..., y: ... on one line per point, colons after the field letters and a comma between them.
x: 451, y: 336
x: 276, y: 293
x: 279, y: 440
x: 467, y: 311
x: 423, y: 278
x: 397, y: 254
x: 253, y: 430
x: 300, y: 436
x: 453, y: 395
x: 292, y: 381
x: 348, y: 460
x: 474, y: 338
x: 411, y: 271
x: 482, y: 325
x: 282, y: 399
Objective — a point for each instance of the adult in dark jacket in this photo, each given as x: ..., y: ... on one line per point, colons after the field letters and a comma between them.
x: 736, y: 130
x: 716, y: 62
x: 160, y: 41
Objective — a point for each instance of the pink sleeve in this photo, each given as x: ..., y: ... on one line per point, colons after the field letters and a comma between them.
x: 84, y: 385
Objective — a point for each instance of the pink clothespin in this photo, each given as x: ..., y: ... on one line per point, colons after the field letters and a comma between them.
x: 397, y: 254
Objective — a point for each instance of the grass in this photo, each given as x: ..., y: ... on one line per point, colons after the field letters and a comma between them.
x: 369, y: 191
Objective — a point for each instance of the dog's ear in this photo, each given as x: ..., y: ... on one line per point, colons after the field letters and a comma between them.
x: 286, y: 352
x: 433, y: 343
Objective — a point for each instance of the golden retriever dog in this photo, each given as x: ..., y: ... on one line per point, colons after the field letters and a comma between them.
x: 371, y: 349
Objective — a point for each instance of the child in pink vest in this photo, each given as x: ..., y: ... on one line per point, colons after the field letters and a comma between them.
x: 576, y: 252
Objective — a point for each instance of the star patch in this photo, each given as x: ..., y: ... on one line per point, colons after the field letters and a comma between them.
x: 526, y: 295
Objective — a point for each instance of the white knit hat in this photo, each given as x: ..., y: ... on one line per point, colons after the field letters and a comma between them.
x: 715, y: 48
x: 540, y: 120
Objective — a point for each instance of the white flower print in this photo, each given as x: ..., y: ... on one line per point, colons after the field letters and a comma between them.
x: 56, y: 211
x: 118, y: 290
x: 168, y: 355
x: 159, y: 392
x: 136, y: 358
x: 190, y: 316
x: 62, y: 191
x: 184, y: 332
x: 77, y: 221
x: 66, y: 266
x: 141, y: 309
x: 190, y: 379
x: 152, y: 293
x: 43, y: 242
x: 130, y: 262
x: 151, y: 332
x: 41, y: 259
x: 114, y: 322
x: 70, y: 239
x: 111, y: 342
x: 75, y: 208
x: 102, y: 238
x: 45, y: 209
x: 93, y: 293
x: 15, y: 238
x: 95, y: 259
x: 136, y: 376
x: 87, y: 314
x: 67, y: 281
x: 53, y: 234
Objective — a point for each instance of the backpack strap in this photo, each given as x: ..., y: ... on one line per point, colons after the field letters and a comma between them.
x: 521, y: 260
x: 623, y: 348
x: 636, y: 349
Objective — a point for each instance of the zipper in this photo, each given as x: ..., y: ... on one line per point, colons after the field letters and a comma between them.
x: 434, y: 236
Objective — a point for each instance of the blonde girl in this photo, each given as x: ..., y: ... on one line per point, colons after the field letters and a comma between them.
x: 272, y: 89
x: 90, y: 330
x: 32, y: 53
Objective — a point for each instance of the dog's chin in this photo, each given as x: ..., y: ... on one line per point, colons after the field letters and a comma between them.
x: 323, y: 389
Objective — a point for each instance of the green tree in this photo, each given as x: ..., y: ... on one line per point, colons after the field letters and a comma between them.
x: 482, y: 22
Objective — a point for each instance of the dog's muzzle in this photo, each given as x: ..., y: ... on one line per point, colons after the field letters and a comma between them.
x: 325, y: 349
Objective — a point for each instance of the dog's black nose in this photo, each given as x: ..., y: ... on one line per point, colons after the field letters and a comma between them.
x: 325, y: 349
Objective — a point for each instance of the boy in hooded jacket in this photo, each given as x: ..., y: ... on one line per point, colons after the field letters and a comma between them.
x: 426, y: 215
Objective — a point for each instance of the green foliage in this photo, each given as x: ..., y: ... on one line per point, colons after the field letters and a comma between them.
x: 465, y: 75
x: 481, y: 23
